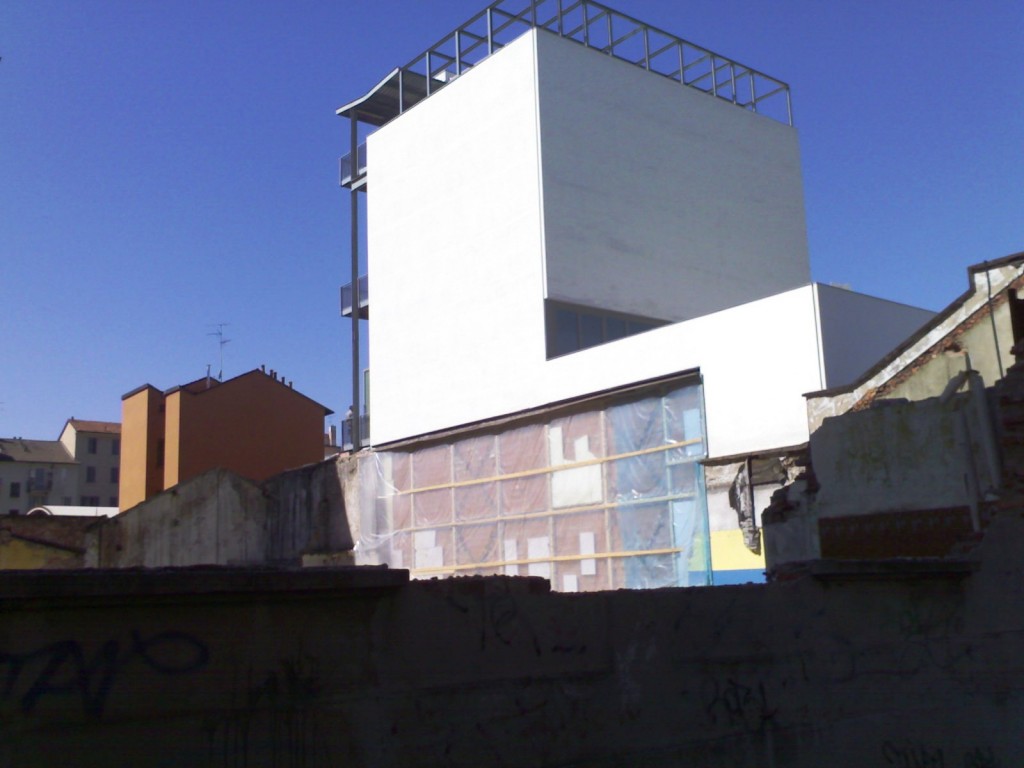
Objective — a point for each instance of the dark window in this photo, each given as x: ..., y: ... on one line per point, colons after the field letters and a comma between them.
x: 92, y: 445
x: 115, y: 446
x: 89, y: 501
x: 591, y: 330
x: 567, y: 334
x: 15, y: 490
x: 615, y: 328
x: 90, y: 474
x: 570, y: 329
x: 114, y: 474
x: 638, y: 326
x: 113, y: 501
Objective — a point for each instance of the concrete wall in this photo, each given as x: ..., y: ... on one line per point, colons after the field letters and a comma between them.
x: 900, y: 456
x: 220, y: 518
x: 894, y: 664
x: 901, y: 478
x: 660, y: 201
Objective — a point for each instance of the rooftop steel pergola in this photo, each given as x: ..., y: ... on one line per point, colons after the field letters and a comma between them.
x: 593, y: 25
x: 589, y: 23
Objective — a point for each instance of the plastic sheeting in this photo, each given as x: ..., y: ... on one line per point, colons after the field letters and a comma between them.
x: 600, y: 499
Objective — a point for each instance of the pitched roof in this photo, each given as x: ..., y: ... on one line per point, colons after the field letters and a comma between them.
x: 206, y: 383
x: 34, y: 451
x: 937, y: 321
x: 103, y: 427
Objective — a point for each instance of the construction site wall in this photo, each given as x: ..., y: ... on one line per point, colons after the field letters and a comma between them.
x: 901, y: 663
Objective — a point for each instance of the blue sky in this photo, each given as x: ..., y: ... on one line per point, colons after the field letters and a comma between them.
x: 167, y: 166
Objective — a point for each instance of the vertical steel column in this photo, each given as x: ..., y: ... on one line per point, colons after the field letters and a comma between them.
x: 753, y: 96
x: 354, y: 265
x: 490, y: 32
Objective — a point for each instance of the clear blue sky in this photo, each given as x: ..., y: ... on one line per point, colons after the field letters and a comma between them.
x: 167, y: 166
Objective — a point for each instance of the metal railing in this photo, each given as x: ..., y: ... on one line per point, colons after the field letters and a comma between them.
x: 603, y: 29
x: 346, y: 173
x: 364, y: 297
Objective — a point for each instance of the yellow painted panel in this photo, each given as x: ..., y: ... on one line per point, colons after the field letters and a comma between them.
x: 18, y: 555
x: 729, y: 553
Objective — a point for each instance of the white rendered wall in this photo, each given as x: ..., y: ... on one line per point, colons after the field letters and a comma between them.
x: 660, y: 200
x: 858, y: 330
x: 456, y: 254
x: 753, y: 385
x: 454, y: 251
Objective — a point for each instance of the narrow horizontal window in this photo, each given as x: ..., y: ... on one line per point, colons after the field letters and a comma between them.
x: 571, y: 328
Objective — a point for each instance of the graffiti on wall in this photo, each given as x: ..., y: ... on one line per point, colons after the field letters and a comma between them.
x: 67, y: 670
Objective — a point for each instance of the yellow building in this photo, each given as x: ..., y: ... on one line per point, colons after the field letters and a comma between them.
x: 255, y: 424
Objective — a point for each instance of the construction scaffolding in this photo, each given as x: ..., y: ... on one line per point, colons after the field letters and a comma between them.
x: 603, y: 497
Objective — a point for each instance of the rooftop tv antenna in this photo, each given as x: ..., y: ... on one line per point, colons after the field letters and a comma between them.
x: 221, y: 341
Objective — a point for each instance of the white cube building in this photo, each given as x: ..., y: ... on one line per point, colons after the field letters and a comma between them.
x: 574, y: 213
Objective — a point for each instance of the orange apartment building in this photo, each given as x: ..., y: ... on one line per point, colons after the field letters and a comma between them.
x: 255, y: 424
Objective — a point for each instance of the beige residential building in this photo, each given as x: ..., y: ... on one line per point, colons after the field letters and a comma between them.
x: 96, y: 446
x: 35, y: 472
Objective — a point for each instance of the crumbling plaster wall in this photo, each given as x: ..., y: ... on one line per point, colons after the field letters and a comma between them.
x: 307, y: 511
x: 890, y: 664
x: 216, y: 518
x: 891, y: 458
x: 220, y: 518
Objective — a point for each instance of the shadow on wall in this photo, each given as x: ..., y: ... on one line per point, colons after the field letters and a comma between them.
x: 220, y: 518
x: 895, y: 663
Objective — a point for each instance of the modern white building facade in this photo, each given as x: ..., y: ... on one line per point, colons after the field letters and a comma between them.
x: 567, y: 218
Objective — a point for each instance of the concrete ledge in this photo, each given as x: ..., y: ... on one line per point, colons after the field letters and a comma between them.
x: 200, y: 580
x: 891, y: 569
